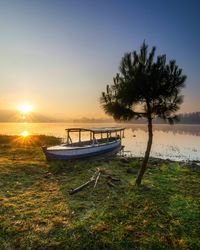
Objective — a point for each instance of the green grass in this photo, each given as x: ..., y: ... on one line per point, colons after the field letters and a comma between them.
x: 37, y: 212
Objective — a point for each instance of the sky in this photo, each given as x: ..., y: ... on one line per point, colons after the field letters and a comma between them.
x: 59, y: 55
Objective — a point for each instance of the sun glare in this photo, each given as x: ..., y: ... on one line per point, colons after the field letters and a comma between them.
x: 24, y: 133
x: 25, y: 108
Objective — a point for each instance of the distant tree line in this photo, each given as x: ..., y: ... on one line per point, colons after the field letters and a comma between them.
x: 190, y: 118
x: 11, y: 116
x: 187, y: 118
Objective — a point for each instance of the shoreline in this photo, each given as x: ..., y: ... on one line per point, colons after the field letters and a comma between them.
x: 156, y: 160
x: 35, y: 141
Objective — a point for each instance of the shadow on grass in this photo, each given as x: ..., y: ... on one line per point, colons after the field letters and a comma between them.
x: 158, y: 215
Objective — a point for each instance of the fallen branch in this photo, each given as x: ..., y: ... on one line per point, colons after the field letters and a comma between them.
x: 73, y: 191
x: 111, y: 184
x: 95, y: 178
x: 111, y: 181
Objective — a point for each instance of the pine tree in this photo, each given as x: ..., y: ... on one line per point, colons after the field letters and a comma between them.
x: 148, y: 84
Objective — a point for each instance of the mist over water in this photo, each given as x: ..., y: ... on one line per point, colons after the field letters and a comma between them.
x: 177, y: 142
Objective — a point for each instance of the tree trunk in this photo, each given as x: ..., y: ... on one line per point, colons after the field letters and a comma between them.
x: 147, y: 153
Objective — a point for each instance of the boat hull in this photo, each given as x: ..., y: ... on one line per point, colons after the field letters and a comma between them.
x: 92, y: 151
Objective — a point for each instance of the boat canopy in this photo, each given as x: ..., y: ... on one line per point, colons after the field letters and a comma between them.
x: 95, y: 130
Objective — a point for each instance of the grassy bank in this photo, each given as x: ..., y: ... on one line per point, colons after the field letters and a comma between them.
x: 37, y: 212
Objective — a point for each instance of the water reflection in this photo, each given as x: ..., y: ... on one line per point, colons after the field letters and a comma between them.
x: 59, y: 128
x: 175, y: 146
x: 175, y: 129
x: 177, y: 142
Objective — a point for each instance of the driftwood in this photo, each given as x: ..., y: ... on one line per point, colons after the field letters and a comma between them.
x: 94, y: 179
x: 111, y: 184
x: 97, y: 179
x: 73, y: 191
x: 113, y: 179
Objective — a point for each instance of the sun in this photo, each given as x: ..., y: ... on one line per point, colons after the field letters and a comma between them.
x: 25, y: 133
x: 25, y: 108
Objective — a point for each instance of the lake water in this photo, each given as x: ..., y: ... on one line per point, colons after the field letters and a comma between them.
x: 177, y: 142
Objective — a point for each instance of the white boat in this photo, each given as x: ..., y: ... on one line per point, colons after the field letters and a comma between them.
x: 102, y: 141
